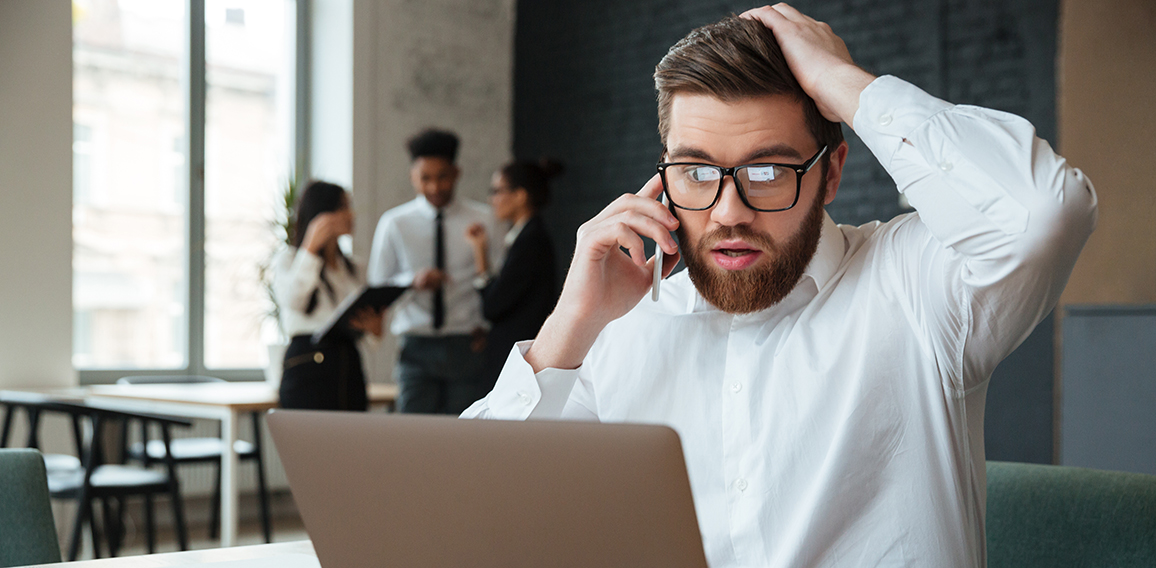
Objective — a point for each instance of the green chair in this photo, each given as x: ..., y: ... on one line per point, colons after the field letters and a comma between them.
x: 27, y: 531
x: 1045, y: 515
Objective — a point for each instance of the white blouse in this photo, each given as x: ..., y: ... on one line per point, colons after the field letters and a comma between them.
x: 296, y: 274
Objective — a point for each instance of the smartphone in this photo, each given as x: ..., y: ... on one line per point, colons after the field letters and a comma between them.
x: 657, y: 263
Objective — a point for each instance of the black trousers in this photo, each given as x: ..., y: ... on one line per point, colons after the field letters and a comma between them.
x: 328, y: 376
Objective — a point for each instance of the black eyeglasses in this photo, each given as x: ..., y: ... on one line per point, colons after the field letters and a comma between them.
x: 766, y: 187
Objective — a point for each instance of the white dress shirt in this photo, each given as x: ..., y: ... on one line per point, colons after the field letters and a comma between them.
x: 296, y: 274
x: 403, y: 245
x: 844, y: 426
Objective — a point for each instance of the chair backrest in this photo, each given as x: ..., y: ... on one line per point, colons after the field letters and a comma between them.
x: 29, y: 533
x: 167, y: 379
x: 1045, y: 515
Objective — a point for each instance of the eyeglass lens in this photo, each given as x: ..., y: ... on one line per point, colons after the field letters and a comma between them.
x: 694, y: 186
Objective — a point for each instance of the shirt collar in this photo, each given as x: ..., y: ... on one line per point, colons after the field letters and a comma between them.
x: 430, y: 211
x: 516, y: 230
x: 828, y: 255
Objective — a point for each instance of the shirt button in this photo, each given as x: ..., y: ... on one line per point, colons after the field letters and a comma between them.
x: 525, y: 398
x: 736, y: 386
x: 945, y: 166
x: 741, y: 484
x: 318, y: 358
x: 884, y: 119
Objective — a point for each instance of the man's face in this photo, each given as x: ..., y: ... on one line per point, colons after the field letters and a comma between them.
x: 739, y: 259
x: 434, y: 177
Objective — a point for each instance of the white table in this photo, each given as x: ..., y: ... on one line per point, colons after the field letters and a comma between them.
x: 281, y: 555
x: 227, y: 402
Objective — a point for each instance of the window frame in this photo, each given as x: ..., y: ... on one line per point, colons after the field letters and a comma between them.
x: 193, y: 81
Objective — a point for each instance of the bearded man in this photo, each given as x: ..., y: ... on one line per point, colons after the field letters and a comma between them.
x: 827, y: 381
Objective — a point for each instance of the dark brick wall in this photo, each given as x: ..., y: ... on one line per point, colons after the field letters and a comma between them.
x: 584, y: 93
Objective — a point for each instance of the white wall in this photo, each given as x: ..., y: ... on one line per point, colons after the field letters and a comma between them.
x: 36, y: 193
x: 442, y: 63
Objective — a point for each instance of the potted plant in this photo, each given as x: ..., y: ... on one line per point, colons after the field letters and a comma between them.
x: 282, y: 225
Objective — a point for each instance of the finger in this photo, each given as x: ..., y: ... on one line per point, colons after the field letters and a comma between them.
x: 647, y: 206
x: 789, y: 12
x: 629, y: 240
x: 652, y: 188
x: 768, y: 15
x: 648, y: 227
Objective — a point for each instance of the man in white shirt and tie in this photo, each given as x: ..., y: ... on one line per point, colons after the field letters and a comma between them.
x: 827, y: 381
x: 422, y: 243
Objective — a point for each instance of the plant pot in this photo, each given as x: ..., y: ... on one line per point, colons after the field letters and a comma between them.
x: 276, y: 360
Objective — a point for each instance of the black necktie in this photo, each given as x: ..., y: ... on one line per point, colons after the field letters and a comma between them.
x: 439, y: 301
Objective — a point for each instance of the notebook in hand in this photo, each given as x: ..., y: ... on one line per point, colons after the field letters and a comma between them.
x: 425, y: 491
x: 378, y: 298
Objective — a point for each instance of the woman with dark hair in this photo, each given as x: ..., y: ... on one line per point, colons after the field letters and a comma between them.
x: 311, y: 279
x: 517, y: 298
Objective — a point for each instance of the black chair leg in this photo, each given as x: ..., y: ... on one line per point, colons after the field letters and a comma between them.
x: 262, y: 489
x: 110, y: 529
x: 150, y: 524
x: 179, y: 515
x: 96, y: 538
x: 8, y: 412
x: 77, y: 528
x: 215, y: 506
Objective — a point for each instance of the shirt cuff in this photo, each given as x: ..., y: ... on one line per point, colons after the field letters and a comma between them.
x: 890, y: 109
x: 520, y: 393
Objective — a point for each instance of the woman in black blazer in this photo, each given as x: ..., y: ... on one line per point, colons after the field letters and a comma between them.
x: 521, y: 294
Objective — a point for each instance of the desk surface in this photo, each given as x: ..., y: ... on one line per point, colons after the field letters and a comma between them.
x: 284, y: 554
x: 238, y: 396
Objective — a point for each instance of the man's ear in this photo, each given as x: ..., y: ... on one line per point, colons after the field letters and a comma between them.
x: 835, y: 171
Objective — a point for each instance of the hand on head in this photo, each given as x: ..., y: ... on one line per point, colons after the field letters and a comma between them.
x: 818, y: 58
x: 323, y: 230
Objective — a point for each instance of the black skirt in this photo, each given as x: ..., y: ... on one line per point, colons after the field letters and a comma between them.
x: 328, y: 376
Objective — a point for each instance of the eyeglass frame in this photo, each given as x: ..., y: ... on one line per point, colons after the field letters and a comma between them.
x: 799, y: 169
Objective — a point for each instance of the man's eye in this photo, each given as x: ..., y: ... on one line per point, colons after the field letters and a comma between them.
x: 701, y: 174
x: 762, y: 173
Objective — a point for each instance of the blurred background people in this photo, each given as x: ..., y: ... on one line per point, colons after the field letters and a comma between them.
x: 310, y: 280
x: 518, y: 295
x: 419, y: 244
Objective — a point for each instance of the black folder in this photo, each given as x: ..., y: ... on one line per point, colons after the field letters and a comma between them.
x: 378, y: 298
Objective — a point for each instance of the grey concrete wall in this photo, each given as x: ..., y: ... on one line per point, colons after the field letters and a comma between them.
x: 420, y: 63
x: 35, y: 193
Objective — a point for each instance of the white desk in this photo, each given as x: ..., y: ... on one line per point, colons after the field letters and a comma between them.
x: 281, y: 555
x: 227, y: 402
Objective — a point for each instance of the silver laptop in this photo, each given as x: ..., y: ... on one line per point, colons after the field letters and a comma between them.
x: 424, y: 491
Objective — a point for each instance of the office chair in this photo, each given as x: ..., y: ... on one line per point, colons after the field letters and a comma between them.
x: 29, y: 533
x: 205, y: 450
x: 1046, y: 515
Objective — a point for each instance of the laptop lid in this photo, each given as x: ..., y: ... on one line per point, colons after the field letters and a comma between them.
x: 426, y: 491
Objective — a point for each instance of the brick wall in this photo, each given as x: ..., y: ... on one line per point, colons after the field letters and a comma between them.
x: 583, y: 92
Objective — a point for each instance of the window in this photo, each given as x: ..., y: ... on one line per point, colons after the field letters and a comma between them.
x: 166, y: 252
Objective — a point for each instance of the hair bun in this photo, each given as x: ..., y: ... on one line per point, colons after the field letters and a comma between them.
x: 551, y: 168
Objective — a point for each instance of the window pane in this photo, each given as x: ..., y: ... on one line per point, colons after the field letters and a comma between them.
x: 129, y: 234
x: 248, y: 138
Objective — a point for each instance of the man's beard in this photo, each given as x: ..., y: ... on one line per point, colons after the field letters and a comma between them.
x: 760, y: 287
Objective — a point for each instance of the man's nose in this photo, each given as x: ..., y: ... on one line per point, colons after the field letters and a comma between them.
x: 730, y: 209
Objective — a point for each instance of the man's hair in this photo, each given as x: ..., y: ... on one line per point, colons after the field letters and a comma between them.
x: 433, y: 143
x: 730, y: 60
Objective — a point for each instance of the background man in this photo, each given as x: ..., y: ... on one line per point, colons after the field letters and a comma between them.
x: 827, y: 381
x: 423, y: 243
